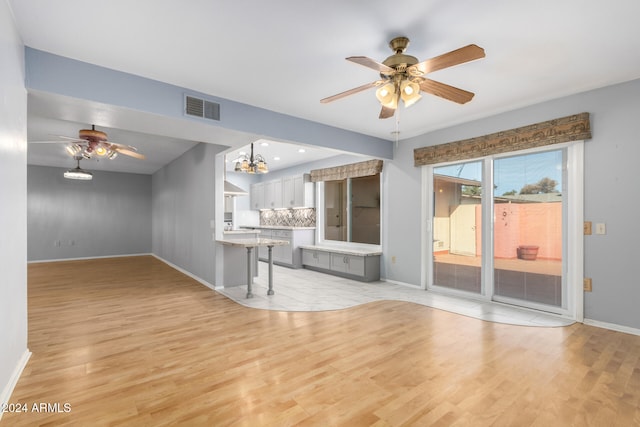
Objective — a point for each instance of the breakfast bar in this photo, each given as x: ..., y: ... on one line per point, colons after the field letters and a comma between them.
x: 249, y: 245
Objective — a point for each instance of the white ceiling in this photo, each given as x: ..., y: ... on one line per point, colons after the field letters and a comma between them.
x: 285, y: 56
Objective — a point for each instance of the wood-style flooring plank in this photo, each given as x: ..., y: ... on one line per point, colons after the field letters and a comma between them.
x: 131, y: 341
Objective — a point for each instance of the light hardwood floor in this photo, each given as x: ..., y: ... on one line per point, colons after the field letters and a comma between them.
x: 130, y: 341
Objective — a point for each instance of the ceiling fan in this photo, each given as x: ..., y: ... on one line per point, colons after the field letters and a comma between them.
x: 402, y: 77
x: 94, y: 143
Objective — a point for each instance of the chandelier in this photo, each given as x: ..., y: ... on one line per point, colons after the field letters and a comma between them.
x: 251, y: 164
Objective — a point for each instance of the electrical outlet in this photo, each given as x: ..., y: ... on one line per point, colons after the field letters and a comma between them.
x: 587, y: 284
x: 587, y: 228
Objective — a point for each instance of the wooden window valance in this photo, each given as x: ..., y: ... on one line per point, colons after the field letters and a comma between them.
x: 353, y: 170
x: 565, y: 129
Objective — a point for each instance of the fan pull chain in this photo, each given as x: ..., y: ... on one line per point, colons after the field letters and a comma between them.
x: 397, y: 132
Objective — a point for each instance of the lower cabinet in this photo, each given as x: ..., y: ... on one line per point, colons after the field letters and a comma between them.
x: 316, y: 259
x: 287, y: 255
x: 348, y: 264
x: 364, y: 267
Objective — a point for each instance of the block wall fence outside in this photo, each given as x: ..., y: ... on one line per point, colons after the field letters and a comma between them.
x: 516, y: 224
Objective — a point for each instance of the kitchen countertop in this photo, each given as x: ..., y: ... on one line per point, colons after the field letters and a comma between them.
x: 357, y: 251
x: 276, y: 227
x: 252, y: 243
x: 241, y: 232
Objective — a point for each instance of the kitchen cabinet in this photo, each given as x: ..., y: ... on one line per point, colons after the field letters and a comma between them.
x: 349, y: 264
x: 256, y: 195
x: 288, y: 192
x: 358, y: 264
x: 287, y: 255
x: 298, y: 191
x: 317, y: 259
x: 283, y: 254
x: 273, y: 194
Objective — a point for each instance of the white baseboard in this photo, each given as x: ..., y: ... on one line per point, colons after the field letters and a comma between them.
x: 185, y: 272
x: 86, y: 258
x: 15, y: 376
x: 396, y: 282
x: 612, y: 326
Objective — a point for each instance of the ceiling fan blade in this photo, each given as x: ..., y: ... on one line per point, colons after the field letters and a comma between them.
x: 446, y: 60
x: 351, y: 91
x: 370, y: 63
x: 386, y: 112
x: 64, y: 140
x: 53, y: 142
x: 445, y: 91
x: 128, y: 152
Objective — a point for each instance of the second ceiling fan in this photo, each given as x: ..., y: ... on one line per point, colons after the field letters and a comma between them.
x: 402, y: 76
x: 92, y: 143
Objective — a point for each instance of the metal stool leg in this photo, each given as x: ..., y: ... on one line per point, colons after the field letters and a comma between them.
x: 249, y: 275
x: 270, y: 291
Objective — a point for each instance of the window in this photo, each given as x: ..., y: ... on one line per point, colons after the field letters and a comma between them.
x: 352, y: 210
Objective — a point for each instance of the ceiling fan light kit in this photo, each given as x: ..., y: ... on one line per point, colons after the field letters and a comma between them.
x: 402, y: 77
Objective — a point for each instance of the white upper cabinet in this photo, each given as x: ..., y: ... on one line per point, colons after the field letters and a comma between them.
x: 257, y: 196
x: 289, y: 192
x: 298, y: 192
x: 273, y: 194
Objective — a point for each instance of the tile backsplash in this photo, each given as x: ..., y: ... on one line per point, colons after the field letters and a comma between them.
x: 305, y: 217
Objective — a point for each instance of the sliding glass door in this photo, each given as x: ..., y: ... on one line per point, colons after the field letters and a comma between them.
x: 528, y: 228
x: 498, y: 228
x: 456, y: 226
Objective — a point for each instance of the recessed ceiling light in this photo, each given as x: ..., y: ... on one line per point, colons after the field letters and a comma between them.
x: 242, y: 153
x: 276, y: 158
x: 301, y: 150
x: 264, y: 144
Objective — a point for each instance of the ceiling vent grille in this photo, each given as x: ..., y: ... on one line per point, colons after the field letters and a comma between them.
x: 201, y: 108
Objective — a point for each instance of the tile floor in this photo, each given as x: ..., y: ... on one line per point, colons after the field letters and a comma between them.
x: 306, y: 290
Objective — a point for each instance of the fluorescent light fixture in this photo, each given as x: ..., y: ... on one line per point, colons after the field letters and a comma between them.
x: 78, y: 173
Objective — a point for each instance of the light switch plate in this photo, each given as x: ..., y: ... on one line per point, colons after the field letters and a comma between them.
x: 601, y: 228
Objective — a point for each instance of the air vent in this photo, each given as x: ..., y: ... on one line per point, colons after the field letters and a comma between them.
x: 201, y: 108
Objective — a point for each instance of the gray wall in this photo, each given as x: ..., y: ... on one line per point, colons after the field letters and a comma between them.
x: 611, y: 171
x: 183, y: 208
x: 13, y: 205
x: 109, y: 215
x: 610, y: 164
x: 51, y: 73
